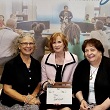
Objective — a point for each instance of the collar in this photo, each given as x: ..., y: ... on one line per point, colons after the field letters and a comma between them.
x: 8, y: 28
x: 69, y: 58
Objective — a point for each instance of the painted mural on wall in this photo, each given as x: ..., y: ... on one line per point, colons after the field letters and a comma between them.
x: 74, y: 18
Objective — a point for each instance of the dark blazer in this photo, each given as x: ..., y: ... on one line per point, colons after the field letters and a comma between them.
x: 102, y: 81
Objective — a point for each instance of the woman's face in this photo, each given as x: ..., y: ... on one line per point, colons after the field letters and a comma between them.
x: 58, y: 45
x: 27, y: 46
x: 92, y: 54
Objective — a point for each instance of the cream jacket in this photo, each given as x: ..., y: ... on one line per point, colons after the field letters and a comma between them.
x: 49, y: 67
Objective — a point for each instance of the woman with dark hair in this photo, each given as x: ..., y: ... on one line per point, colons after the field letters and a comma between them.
x: 91, y: 80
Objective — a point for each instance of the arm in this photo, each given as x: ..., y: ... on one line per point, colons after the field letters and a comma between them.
x: 43, y: 69
x: 14, y: 94
x: 30, y: 99
x: 45, y: 79
x: 83, y: 103
x: 71, y: 15
x: 75, y: 65
x: 104, y: 106
x: 19, y: 97
x: 37, y: 90
x: 34, y: 97
x: 61, y: 15
x: 78, y: 84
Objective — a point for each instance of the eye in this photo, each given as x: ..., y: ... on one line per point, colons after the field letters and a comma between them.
x: 86, y: 50
x: 27, y: 43
x: 54, y: 42
x: 92, y: 50
x: 59, y: 41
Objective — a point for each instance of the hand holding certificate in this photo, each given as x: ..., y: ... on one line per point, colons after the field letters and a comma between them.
x: 60, y: 93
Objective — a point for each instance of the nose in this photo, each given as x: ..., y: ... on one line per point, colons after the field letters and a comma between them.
x: 28, y: 44
x: 89, y: 52
x: 56, y: 44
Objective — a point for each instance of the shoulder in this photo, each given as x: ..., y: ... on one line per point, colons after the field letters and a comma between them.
x: 15, y: 34
x: 46, y: 56
x: 35, y: 61
x: 106, y: 60
x: 74, y: 55
x: 11, y: 62
x: 70, y: 12
x: 92, y: 32
x: 83, y: 64
x: 61, y: 12
x: 71, y: 56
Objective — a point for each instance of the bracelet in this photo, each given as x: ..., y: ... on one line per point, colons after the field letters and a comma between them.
x: 43, y: 85
x: 81, y: 100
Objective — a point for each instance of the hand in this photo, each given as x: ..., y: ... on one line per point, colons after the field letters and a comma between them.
x: 35, y: 101
x: 57, y: 103
x: 84, y: 105
x: 28, y: 98
x: 51, y: 81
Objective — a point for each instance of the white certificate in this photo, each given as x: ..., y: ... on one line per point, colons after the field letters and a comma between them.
x: 59, y: 95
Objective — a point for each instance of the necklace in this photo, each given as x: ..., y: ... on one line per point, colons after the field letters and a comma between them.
x: 92, y: 71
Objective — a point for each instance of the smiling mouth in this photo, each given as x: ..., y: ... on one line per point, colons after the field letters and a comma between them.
x: 57, y: 48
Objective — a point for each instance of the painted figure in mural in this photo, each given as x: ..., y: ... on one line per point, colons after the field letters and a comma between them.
x: 21, y: 77
x: 93, y: 20
x: 87, y: 19
x: 7, y: 36
x: 2, y: 24
x: 107, y: 22
x: 41, y: 42
x: 91, y: 79
x: 57, y: 66
x: 101, y: 35
x: 72, y: 31
x: 65, y: 17
x: 13, y: 16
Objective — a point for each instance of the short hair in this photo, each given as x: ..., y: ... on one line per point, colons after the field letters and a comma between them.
x: 38, y: 27
x: 53, y: 37
x: 65, y: 6
x: 99, y: 24
x: 93, y: 42
x: 34, y: 25
x: 11, y: 23
x: 19, y: 39
x: 87, y: 15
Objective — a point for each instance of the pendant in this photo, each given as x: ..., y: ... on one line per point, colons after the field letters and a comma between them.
x: 90, y: 78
